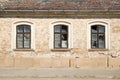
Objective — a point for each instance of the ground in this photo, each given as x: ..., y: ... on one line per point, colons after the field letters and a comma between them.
x: 59, y: 74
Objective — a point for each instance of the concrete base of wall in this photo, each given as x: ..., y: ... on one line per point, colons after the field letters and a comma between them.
x: 114, y: 62
x: 88, y: 62
x: 60, y: 62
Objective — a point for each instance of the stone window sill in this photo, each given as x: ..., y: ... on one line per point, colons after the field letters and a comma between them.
x: 23, y: 50
x: 62, y: 50
x: 97, y: 49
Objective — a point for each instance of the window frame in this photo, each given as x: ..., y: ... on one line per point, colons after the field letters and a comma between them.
x: 70, y: 36
x: 97, y: 33
x: 23, y: 33
x: 107, y: 35
x: 61, y: 36
x: 13, y: 38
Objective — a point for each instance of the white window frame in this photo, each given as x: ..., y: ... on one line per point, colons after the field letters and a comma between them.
x: 107, y: 33
x: 14, y: 26
x: 51, y: 28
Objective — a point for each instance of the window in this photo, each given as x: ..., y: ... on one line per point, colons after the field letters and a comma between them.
x: 23, y: 37
x: 60, y: 36
x: 97, y: 36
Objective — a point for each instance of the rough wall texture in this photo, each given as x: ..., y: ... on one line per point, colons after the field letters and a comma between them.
x: 43, y: 56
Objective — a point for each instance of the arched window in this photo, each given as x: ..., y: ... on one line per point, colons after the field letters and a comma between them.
x: 23, y: 36
x: 98, y: 33
x: 97, y: 36
x: 60, y: 36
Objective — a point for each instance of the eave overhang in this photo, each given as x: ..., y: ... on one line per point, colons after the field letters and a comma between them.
x: 61, y: 13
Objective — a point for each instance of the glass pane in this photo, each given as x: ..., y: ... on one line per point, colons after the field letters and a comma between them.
x: 27, y: 41
x: 19, y: 36
x: 101, y: 29
x: 101, y: 40
x: 20, y: 29
x: 57, y: 28
x: 27, y: 28
x: 20, y: 44
x: 64, y: 29
x: 94, y: 40
x: 94, y: 29
x: 64, y: 44
x: 20, y: 40
x: 57, y: 37
x: 57, y: 44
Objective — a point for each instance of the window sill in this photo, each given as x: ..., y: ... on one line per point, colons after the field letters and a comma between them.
x: 97, y: 49
x: 23, y: 50
x: 61, y: 50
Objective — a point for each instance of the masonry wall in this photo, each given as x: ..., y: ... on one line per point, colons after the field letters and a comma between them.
x: 42, y: 56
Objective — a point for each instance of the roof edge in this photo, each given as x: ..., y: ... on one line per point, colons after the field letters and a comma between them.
x: 60, y: 10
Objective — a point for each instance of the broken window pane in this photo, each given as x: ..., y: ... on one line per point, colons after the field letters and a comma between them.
x: 98, y: 36
x: 64, y: 40
x: 94, y: 29
x: 61, y: 36
x: 101, y: 40
x: 64, y: 37
x: 64, y: 29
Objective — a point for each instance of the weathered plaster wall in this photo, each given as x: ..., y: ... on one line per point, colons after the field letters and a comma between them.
x: 42, y: 56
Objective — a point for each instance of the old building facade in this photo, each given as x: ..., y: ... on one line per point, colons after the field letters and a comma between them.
x: 39, y: 33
